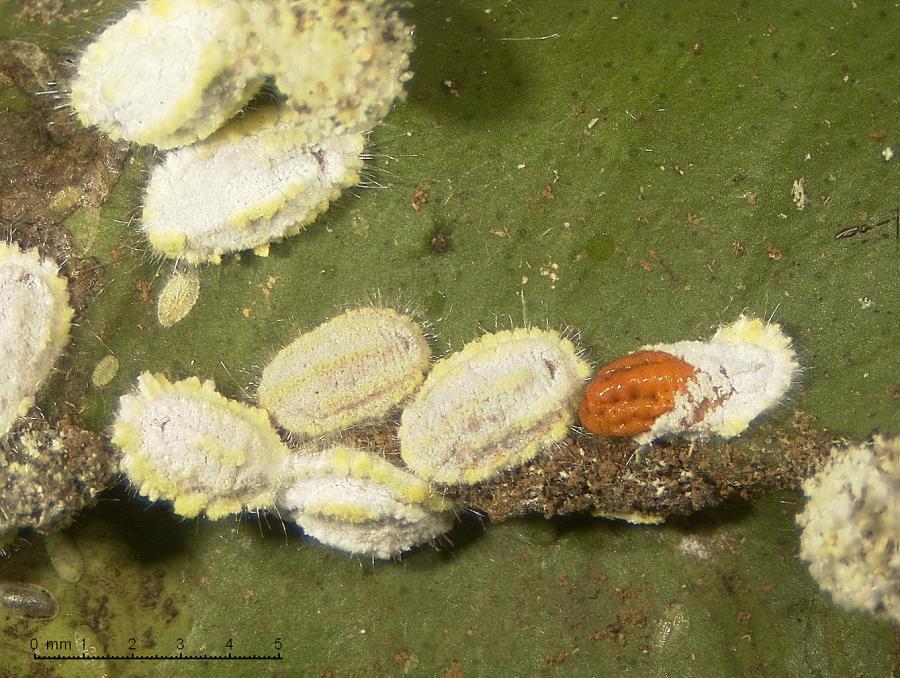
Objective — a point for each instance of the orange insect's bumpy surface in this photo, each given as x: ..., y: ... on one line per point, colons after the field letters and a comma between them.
x: 628, y: 394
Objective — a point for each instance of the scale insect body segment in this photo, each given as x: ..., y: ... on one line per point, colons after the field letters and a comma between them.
x: 197, y: 207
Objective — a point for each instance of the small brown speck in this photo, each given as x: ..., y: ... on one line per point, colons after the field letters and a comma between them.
x: 452, y: 86
x: 737, y: 250
x: 698, y: 48
x: 774, y: 252
x: 246, y: 312
x: 420, y: 197
x: 693, y: 219
x: 750, y: 198
x: 143, y: 288
x: 267, y: 288
x: 440, y: 242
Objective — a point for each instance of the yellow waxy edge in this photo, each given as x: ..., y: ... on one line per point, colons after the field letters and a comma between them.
x: 155, y: 484
x: 542, y: 428
x: 756, y: 332
x: 56, y: 335
x: 347, y: 407
x: 349, y: 462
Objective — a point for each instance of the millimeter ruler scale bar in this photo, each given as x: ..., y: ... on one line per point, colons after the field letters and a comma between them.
x: 66, y: 650
x: 159, y: 657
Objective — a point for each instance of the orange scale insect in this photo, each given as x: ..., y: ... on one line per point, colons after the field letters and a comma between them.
x: 627, y: 395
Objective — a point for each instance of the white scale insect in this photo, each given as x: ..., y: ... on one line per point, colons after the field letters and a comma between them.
x: 851, y: 527
x: 184, y: 442
x: 354, y: 368
x: 742, y: 371
x: 355, y: 501
x: 257, y: 180
x: 171, y: 73
x: 168, y: 73
x: 492, y: 406
x: 34, y: 327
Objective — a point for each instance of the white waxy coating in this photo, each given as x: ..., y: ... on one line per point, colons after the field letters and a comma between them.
x: 34, y: 327
x: 851, y: 527
x: 746, y: 368
x: 492, y: 406
x: 360, y: 503
x: 341, y: 63
x: 354, y: 368
x: 255, y: 181
x: 185, y: 443
x: 168, y: 73
x: 178, y: 296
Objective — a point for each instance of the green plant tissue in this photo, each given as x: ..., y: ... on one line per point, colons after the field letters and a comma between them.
x: 635, y: 172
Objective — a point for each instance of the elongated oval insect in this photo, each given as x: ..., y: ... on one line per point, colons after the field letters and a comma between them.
x: 627, y: 395
x: 105, y: 371
x: 27, y: 600
x: 169, y: 72
x: 178, y: 296
x: 256, y: 181
x: 357, y: 502
x: 185, y: 443
x: 34, y: 328
x: 492, y: 406
x: 64, y: 556
x: 354, y: 368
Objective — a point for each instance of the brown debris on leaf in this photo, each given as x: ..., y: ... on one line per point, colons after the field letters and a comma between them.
x: 612, y: 477
x: 49, y: 164
x: 50, y: 468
